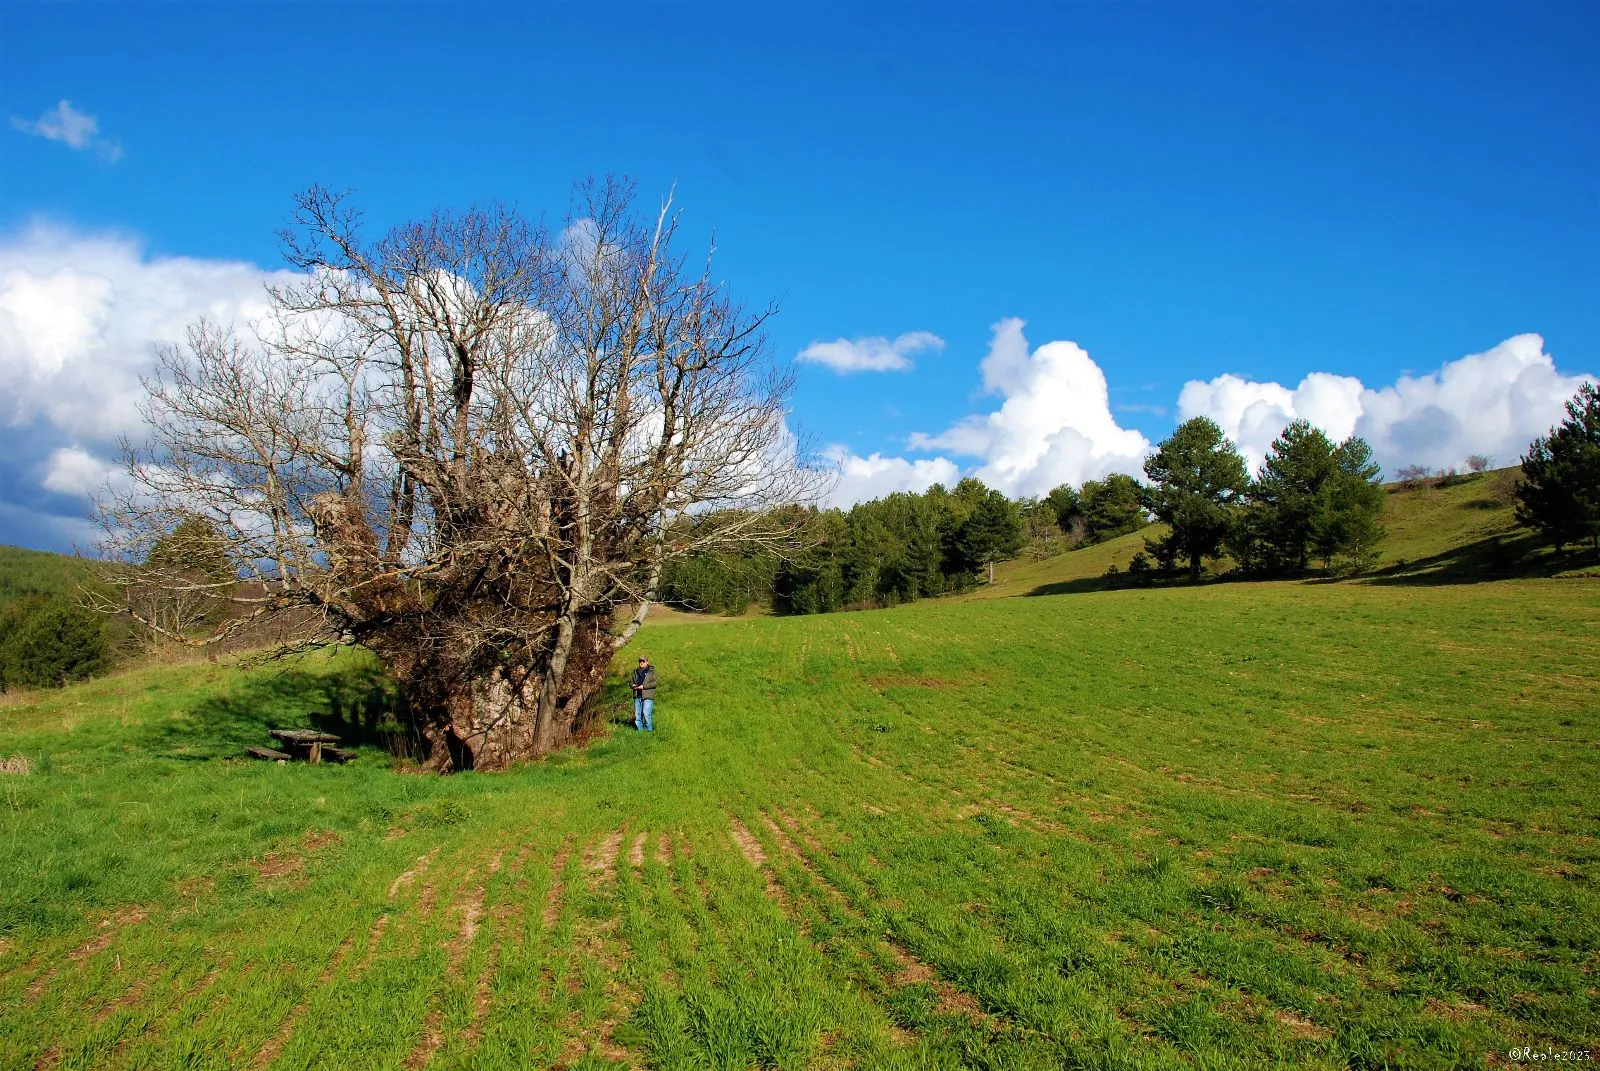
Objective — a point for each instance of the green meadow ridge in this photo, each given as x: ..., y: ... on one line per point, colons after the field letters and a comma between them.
x: 1230, y: 825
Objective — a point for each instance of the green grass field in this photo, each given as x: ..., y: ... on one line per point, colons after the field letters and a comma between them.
x: 1303, y: 825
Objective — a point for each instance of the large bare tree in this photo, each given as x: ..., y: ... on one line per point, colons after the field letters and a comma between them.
x: 469, y: 446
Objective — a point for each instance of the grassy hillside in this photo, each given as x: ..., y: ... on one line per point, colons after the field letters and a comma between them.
x: 1318, y: 826
x: 1463, y: 531
x: 37, y: 572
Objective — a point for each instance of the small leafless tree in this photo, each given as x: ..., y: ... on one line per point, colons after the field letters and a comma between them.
x: 1479, y: 463
x: 1077, y: 531
x: 464, y: 446
x: 1412, y: 477
x: 1044, y: 535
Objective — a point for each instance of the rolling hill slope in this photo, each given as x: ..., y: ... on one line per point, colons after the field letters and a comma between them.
x: 1463, y: 531
x: 1231, y: 826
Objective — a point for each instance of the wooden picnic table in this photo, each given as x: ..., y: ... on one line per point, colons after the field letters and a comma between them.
x: 308, y: 740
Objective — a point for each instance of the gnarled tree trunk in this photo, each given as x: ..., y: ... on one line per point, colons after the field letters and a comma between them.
x: 464, y: 447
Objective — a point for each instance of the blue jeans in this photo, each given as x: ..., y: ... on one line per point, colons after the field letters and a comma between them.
x: 642, y: 709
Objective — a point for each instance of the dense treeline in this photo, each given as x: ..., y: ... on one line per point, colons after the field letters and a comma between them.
x: 1315, y: 501
x: 879, y: 553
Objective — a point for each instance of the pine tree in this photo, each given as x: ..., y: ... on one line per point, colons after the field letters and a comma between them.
x: 1113, y: 506
x: 1198, y: 480
x: 1345, y: 520
x: 1290, y: 492
x: 1312, y: 496
x: 1560, y: 490
x: 992, y: 531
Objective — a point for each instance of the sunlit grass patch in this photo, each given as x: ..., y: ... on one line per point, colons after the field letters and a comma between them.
x: 1322, y: 826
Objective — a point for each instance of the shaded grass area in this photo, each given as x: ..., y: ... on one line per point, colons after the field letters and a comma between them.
x: 1312, y: 826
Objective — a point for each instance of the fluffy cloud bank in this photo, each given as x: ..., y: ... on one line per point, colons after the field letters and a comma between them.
x: 74, y: 129
x: 1490, y: 403
x: 874, y: 354
x: 1053, y: 426
x: 81, y: 318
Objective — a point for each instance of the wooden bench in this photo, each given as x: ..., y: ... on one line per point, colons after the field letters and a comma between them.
x: 337, y: 754
x: 266, y: 753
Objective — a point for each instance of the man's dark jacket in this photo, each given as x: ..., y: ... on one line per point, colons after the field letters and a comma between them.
x: 644, y: 682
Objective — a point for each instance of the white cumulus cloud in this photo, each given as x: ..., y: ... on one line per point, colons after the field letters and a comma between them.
x: 1491, y: 403
x: 864, y: 478
x: 874, y: 354
x: 81, y: 318
x: 1055, y: 425
x: 72, y: 470
x: 74, y: 129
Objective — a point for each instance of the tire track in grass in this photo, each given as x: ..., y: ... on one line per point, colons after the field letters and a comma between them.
x: 596, y: 940
x: 274, y: 1046
x: 109, y: 929
x: 469, y: 909
x: 912, y: 971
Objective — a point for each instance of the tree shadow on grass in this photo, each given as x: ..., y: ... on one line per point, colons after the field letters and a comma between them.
x: 1506, y: 556
x: 1072, y: 587
x: 356, y: 703
x: 1511, y: 556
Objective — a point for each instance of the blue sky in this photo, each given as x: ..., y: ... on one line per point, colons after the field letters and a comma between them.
x: 1263, y: 192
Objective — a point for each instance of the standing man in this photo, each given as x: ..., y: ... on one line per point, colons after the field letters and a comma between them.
x: 644, y: 695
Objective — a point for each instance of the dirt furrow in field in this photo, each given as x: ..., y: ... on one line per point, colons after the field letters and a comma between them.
x: 274, y: 1046
x: 790, y: 904
x: 553, y: 898
x: 108, y: 931
x: 600, y: 861
x: 130, y: 996
x: 911, y: 969
x: 506, y: 916
x: 175, y: 1005
x: 597, y: 939
x: 469, y: 910
x: 407, y: 877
